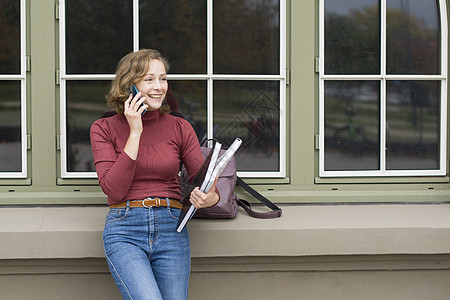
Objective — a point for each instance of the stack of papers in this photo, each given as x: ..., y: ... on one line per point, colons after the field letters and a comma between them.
x: 214, y: 165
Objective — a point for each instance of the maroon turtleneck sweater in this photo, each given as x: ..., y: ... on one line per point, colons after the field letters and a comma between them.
x: 165, y: 142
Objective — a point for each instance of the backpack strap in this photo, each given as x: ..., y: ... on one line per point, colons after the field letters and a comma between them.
x: 275, y: 213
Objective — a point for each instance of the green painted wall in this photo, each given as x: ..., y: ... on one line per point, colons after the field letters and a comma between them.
x: 302, y: 184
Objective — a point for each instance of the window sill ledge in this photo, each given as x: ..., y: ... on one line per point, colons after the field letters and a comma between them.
x: 75, y: 232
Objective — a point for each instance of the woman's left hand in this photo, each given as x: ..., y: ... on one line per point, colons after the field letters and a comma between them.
x: 202, y: 200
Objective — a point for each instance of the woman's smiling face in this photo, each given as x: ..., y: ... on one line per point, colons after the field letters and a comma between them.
x: 154, y: 85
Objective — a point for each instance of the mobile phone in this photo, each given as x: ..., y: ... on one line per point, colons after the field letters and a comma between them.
x: 134, y: 91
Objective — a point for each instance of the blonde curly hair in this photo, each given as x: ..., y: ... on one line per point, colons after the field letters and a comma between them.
x: 130, y: 70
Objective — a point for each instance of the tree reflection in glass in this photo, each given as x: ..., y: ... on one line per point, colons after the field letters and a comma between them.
x: 98, y: 34
x: 413, y: 122
x: 249, y: 110
x: 10, y: 127
x: 178, y: 30
x: 246, y: 37
x: 413, y: 37
x: 352, y: 37
x: 352, y: 125
x: 85, y: 104
x: 10, y: 37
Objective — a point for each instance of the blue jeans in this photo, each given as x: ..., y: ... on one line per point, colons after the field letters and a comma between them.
x: 147, y: 257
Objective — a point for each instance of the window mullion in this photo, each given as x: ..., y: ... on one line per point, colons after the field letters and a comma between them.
x: 383, y: 145
x: 135, y: 25
x: 62, y: 89
x: 23, y: 89
x: 210, y: 84
x: 62, y: 39
x: 321, y: 88
x: 444, y: 61
x: 383, y: 38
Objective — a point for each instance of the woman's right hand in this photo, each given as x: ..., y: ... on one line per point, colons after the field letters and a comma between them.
x: 133, y: 112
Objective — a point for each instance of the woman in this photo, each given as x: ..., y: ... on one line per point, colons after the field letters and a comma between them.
x: 137, y: 158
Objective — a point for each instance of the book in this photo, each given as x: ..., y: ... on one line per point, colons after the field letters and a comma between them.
x: 211, y: 168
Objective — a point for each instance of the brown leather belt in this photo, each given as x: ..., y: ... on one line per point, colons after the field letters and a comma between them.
x: 149, y: 202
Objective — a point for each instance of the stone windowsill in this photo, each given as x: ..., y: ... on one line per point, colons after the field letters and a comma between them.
x: 75, y: 232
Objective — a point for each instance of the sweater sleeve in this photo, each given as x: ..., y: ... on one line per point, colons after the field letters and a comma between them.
x: 115, y: 171
x: 190, y: 153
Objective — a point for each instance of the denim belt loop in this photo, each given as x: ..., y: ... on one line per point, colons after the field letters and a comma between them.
x: 168, y: 203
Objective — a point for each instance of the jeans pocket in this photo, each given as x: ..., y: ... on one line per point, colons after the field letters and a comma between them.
x: 174, y: 213
x: 116, y: 214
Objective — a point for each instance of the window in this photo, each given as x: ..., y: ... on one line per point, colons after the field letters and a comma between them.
x: 383, y: 88
x: 13, y: 138
x: 226, y: 84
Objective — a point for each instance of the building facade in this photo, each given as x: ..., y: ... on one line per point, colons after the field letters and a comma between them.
x: 342, y: 108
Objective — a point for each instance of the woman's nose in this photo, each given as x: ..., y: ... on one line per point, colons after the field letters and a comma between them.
x: 157, y: 85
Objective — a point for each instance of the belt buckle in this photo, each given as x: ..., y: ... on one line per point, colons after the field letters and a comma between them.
x: 143, y: 203
x: 157, y: 202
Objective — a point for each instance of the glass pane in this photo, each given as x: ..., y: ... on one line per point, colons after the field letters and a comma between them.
x: 412, y: 115
x: 352, y: 37
x: 246, y: 37
x: 249, y: 110
x: 178, y: 30
x: 352, y: 125
x: 10, y: 127
x: 189, y: 99
x: 10, y: 37
x: 413, y: 37
x: 98, y: 35
x: 85, y: 104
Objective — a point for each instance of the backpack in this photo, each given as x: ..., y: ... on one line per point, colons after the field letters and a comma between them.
x: 227, y: 207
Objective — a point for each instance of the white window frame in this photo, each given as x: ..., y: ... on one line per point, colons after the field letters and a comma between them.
x: 209, y: 77
x: 23, y: 93
x: 383, y: 78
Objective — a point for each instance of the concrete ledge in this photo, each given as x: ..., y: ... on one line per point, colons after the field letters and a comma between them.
x: 75, y: 232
